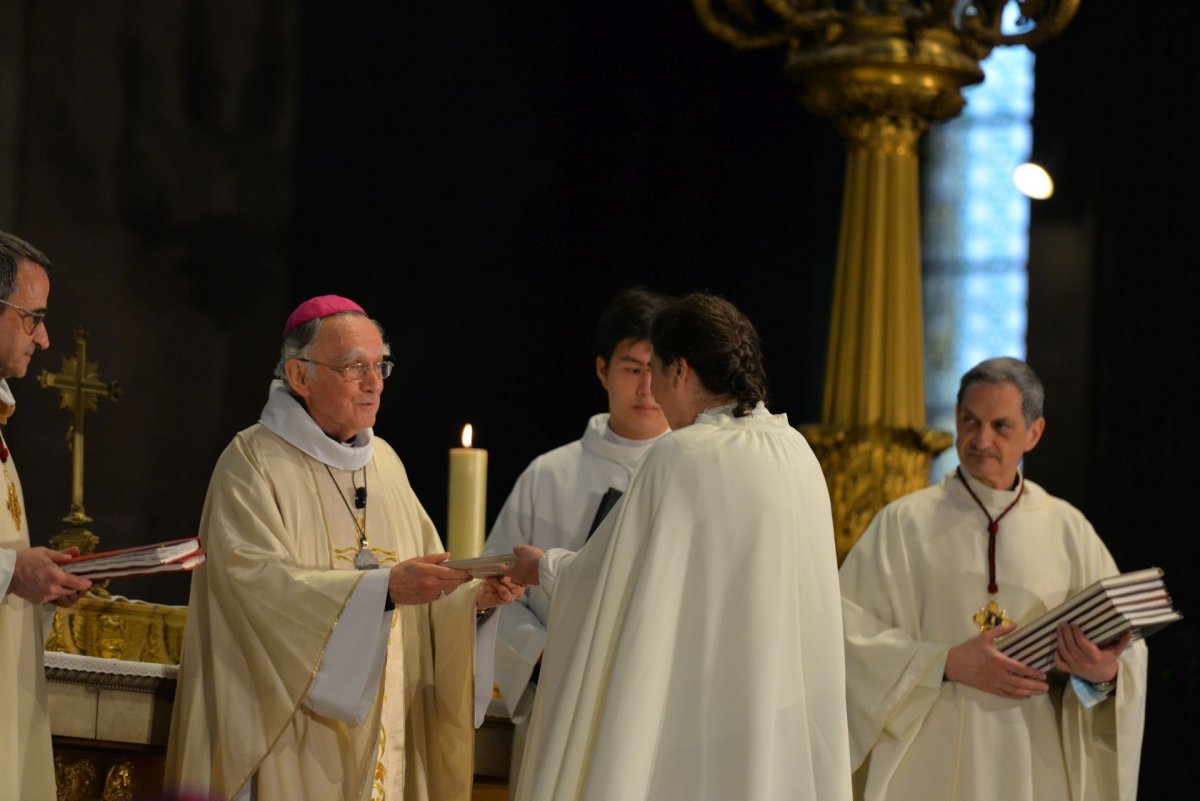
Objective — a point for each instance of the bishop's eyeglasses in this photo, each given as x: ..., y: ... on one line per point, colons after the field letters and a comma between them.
x: 31, y: 320
x: 355, y: 371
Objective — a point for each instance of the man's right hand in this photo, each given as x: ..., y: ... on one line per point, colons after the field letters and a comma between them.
x: 977, y: 663
x: 38, y: 578
x: 524, y: 569
x: 423, y: 579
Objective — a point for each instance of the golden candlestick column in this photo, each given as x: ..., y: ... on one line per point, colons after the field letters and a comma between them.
x: 883, y: 70
x: 80, y: 386
x: 468, y: 498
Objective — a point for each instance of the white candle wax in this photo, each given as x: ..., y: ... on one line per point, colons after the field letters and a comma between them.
x: 468, y: 499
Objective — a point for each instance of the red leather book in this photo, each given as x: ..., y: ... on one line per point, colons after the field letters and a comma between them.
x: 172, y: 556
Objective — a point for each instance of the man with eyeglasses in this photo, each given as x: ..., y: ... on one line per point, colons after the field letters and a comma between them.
x: 309, y: 664
x: 29, y: 577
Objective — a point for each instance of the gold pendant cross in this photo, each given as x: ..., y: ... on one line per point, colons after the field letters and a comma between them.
x: 990, y: 616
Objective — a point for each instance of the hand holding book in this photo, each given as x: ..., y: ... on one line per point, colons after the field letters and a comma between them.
x: 1135, y: 602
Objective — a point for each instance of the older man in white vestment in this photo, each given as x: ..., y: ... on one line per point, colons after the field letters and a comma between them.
x: 306, y: 673
x: 694, y: 646
x: 564, y: 494
x: 936, y: 711
x: 29, y: 577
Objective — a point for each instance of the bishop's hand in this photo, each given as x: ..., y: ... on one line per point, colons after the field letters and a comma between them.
x: 496, y: 591
x: 977, y: 663
x: 423, y: 579
x: 1080, y: 657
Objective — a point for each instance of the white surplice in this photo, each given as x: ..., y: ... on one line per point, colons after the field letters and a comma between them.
x: 911, y: 586
x: 694, y: 645
x: 552, y: 505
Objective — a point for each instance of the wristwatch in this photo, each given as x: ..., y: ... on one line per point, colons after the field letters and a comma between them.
x: 1105, y: 687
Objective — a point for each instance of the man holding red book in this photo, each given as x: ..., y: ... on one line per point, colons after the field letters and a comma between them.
x: 29, y: 577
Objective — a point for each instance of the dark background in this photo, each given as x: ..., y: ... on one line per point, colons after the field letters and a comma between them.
x: 482, y: 178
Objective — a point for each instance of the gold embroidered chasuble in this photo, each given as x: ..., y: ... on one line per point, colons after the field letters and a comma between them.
x: 281, y: 545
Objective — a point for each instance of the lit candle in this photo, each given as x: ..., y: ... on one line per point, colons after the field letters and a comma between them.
x: 468, y: 498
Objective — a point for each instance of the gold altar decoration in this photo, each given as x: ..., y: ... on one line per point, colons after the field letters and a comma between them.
x: 77, y: 780
x: 883, y: 70
x: 116, y: 628
x: 80, y: 386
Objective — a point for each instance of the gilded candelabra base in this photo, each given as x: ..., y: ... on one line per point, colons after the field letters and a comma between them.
x: 868, y: 467
x: 76, y: 537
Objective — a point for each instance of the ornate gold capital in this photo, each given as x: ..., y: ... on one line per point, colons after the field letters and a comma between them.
x: 868, y: 467
x: 883, y: 56
x: 890, y: 134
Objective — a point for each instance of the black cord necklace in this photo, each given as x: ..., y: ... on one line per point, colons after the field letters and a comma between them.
x: 363, y: 559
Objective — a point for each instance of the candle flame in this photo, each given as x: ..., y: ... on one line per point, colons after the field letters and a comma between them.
x: 467, y: 435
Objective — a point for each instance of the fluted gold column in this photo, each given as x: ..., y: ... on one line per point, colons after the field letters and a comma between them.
x: 882, y: 70
x: 874, y: 372
x: 872, y: 441
x: 882, y: 86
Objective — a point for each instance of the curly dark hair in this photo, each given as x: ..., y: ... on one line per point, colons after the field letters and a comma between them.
x: 718, y: 342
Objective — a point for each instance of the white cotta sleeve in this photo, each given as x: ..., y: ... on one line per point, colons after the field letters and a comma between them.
x: 551, y: 564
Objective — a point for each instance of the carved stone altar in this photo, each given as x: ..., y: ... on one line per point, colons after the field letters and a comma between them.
x: 111, y: 666
x: 109, y: 719
x: 118, y: 628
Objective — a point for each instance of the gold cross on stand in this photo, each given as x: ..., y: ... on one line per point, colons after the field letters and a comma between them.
x: 80, y: 385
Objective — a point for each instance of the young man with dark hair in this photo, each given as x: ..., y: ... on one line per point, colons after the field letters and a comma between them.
x: 563, y: 494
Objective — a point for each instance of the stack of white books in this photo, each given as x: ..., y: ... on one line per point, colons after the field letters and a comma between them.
x: 1136, y: 602
x: 162, y: 557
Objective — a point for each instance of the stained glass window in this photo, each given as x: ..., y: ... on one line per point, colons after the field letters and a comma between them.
x: 975, y: 234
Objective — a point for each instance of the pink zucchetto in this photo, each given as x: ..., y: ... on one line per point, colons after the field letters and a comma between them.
x: 317, y: 307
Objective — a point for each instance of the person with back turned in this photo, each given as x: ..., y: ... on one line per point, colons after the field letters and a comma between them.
x: 694, y: 643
